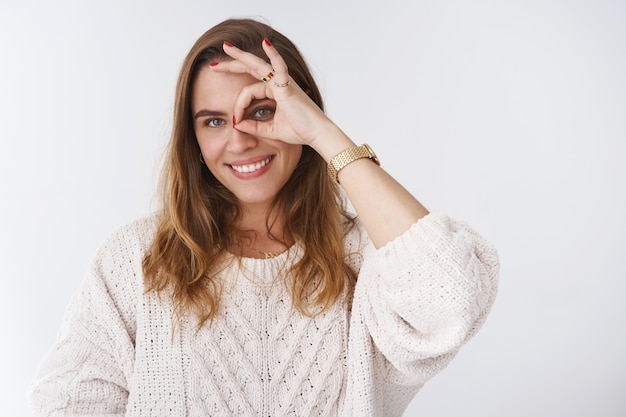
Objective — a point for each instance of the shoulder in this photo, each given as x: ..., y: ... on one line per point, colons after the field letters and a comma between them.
x: 140, y: 231
x: 132, y: 237
x: 114, y: 280
x: 120, y: 255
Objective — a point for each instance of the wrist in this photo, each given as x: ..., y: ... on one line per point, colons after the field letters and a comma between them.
x: 346, y: 157
x: 330, y: 141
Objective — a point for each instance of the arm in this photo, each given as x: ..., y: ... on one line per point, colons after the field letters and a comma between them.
x: 425, y: 294
x: 383, y: 205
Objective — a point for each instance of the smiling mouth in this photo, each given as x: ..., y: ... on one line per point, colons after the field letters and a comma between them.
x: 251, y: 167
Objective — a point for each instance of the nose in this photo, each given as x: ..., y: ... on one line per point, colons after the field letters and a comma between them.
x: 239, y: 142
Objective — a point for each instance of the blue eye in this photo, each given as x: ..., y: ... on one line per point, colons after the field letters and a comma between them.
x: 263, y: 113
x: 214, y: 122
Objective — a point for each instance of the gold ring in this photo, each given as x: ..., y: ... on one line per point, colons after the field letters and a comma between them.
x: 268, y: 76
x: 285, y: 84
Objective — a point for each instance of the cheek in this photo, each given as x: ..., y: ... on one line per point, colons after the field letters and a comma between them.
x: 210, y: 155
x: 296, y: 154
x: 210, y: 144
x: 294, y: 158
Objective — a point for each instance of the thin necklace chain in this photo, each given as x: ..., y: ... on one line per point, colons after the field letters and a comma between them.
x: 269, y: 255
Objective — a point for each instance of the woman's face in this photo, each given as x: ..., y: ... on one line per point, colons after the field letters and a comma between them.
x: 254, y: 169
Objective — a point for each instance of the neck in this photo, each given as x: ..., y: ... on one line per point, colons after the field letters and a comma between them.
x: 262, y: 234
x: 261, y: 221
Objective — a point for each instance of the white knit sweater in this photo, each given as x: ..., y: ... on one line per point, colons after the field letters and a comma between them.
x: 417, y: 300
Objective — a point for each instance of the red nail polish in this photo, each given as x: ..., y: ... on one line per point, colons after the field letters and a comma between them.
x: 213, y: 64
x: 267, y: 42
x: 228, y: 43
x: 234, y: 120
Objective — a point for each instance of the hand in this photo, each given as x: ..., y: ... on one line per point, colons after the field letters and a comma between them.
x: 297, y: 119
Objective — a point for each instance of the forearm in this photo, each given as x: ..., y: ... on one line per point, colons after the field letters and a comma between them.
x: 384, y: 206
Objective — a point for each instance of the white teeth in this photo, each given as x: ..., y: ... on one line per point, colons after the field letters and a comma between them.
x: 251, y: 167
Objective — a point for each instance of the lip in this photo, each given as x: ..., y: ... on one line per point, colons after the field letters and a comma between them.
x: 266, y: 161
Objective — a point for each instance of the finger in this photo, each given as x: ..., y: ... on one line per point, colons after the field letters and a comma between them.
x: 238, y: 67
x: 232, y: 66
x: 257, y: 128
x: 248, y: 94
x: 277, y: 62
x: 257, y: 67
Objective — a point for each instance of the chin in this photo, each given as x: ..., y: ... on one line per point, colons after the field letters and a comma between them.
x: 255, y: 199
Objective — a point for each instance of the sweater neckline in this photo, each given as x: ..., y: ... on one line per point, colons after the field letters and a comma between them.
x: 292, y: 250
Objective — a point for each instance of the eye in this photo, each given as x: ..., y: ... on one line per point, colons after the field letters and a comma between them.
x: 214, y: 122
x: 263, y: 113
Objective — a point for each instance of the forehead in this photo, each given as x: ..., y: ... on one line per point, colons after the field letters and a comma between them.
x: 217, y: 90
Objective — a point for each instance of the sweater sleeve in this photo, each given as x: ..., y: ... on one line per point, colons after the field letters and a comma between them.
x: 425, y: 294
x: 87, y: 371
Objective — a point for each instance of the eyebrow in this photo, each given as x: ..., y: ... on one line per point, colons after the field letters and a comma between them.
x: 205, y: 113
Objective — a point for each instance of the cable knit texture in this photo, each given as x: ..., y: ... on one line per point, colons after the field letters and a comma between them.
x: 120, y: 351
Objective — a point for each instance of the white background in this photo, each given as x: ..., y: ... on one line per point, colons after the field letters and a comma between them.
x: 507, y: 114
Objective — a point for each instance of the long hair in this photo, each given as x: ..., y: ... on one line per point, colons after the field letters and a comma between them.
x: 198, y: 216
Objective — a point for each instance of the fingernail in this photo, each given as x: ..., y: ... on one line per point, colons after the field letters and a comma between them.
x: 234, y: 120
x: 228, y: 43
x: 213, y: 64
x: 267, y: 42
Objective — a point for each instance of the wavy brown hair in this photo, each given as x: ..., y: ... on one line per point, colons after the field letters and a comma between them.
x: 198, y: 216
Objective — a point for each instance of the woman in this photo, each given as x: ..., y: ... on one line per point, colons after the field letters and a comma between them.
x: 254, y: 291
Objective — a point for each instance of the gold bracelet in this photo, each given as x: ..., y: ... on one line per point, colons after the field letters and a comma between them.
x: 344, y: 158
